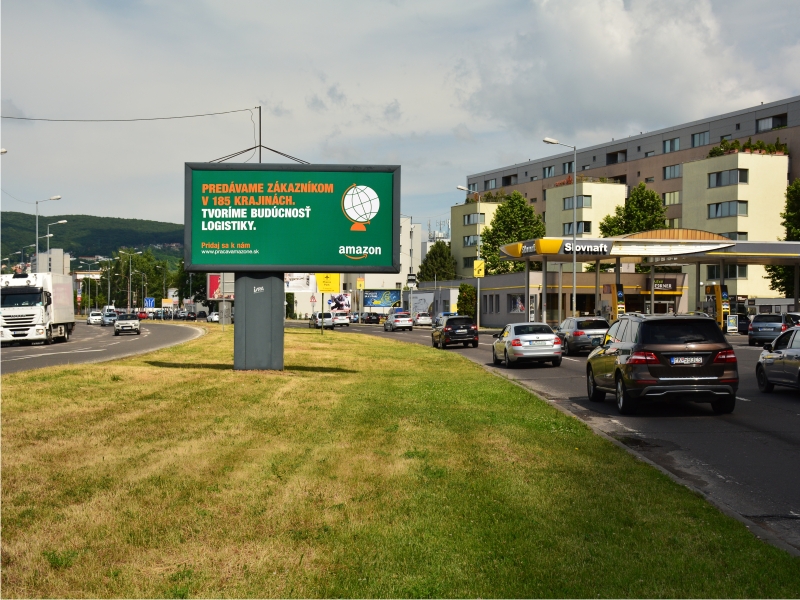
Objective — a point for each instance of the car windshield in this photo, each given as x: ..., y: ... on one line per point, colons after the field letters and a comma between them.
x: 593, y: 324
x: 792, y: 319
x: 767, y: 319
x: 459, y: 321
x: 683, y: 331
x: 12, y: 300
x: 94, y: 314
x: 423, y: 315
x: 128, y: 318
x: 326, y: 315
x: 532, y: 329
x: 402, y: 315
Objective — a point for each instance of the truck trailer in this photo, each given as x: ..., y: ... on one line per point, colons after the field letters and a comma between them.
x: 36, y: 307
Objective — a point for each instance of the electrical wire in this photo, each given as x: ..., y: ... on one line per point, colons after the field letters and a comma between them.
x: 17, y: 199
x: 227, y: 112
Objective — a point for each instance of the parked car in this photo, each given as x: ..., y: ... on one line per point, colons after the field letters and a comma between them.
x: 767, y: 326
x: 354, y: 317
x: 441, y: 317
x: 127, y: 323
x: 109, y: 318
x: 319, y: 320
x: 191, y: 316
x: 581, y: 334
x: 455, y: 329
x: 181, y: 314
x: 526, y: 342
x: 422, y: 318
x: 341, y: 319
x: 213, y: 317
x: 400, y: 320
x: 370, y: 317
x: 779, y: 363
x: 95, y: 318
x: 653, y: 357
x: 202, y: 315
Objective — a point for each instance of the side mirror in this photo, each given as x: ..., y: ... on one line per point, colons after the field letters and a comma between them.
x: 495, y: 335
x: 768, y: 347
x: 49, y: 299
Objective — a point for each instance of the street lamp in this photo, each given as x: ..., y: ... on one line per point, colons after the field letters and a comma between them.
x: 37, y: 225
x: 61, y: 222
x: 478, y: 202
x: 89, y: 266
x: 108, y: 276
x: 548, y: 140
x: 130, y: 258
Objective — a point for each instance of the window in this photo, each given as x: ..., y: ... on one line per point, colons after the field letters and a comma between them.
x: 700, y: 139
x: 544, y: 218
x: 638, y: 148
x: 509, y: 180
x: 534, y: 178
x: 567, y: 167
x: 736, y: 235
x: 497, y: 303
x: 473, y: 187
x: 649, y: 179
x: 670, y: 198
x: 474, y: 219
x: 612, y: 158
x: 398, y: 285
x: 672, y: 145
x: 585, y: 167
x: 490, y: 184
x: 732, y: 177
x: 484, y: 305
x: 725, y: 137
x: 583, y: 202
x: 548, y: 172
x: 583, y: 227
x: 471, y: 240
x: 727, y: 209
x: 526, y: 173
x: 516, y: 303
x: 469, y: 262
x: 673, y: 223
x: 534, y: 199
x: 649, y: 154
x: 594, y: 159
x: 738, y: 126
x: 672, y: 172
x: 731, y: 271
x: 770, y: 123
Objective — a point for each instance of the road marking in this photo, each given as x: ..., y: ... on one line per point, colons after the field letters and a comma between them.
x: 53, y: 354
x: 743, y: 399
x: 625, y: 427
x: 572, y: 359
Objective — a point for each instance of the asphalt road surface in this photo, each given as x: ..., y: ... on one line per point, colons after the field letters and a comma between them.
x: 93, y: 343
x: 748, y: 461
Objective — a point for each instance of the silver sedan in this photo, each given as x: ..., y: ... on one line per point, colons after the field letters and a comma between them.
x: 531, y: 342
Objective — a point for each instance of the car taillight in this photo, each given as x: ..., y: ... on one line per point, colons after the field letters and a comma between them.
x: 578, y: 332
x: 726, y: 356
x: 557, y: 341
x: 448, y: 329
x: 642, y: 358
x: 516, y: 342
x: 783, y: 327
x: 473, y: 326
x: 750, y: 327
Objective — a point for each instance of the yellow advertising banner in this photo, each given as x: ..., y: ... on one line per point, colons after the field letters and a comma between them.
x: 479, y: 268
x: 360, y: 283
x: 328, y: 282
x: 166, y: 303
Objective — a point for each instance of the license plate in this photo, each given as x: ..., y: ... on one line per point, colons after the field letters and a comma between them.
x: 461, y: 331
x: 538, y: 343
x: 686, y: 360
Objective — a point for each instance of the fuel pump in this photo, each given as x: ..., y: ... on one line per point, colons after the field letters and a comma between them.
x: 722, y: 303
x: 617, y: 301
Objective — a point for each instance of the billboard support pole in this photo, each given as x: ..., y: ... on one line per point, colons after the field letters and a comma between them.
x: 322, y: 315
x: 258, y: 341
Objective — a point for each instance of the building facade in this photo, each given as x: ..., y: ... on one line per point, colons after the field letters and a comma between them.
x: 468, y: 221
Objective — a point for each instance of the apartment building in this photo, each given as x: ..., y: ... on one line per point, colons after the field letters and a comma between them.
x: 468, y: 221
x: 698, y: 192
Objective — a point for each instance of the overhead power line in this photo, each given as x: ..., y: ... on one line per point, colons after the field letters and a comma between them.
x: 227, y: 112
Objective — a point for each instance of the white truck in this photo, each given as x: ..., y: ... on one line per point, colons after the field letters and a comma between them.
x: 36, y: 307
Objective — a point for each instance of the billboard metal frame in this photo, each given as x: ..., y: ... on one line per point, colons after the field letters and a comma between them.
x: 187, y: 241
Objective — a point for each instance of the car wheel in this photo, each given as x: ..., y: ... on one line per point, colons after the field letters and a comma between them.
x: 411, y: 329
x: 466, y: 344
x: 625, y: 404
x: 116, y: 333
x: 495, y: 360
x: 138, y: 332
x: 724, y: 407
x: 565, y: 347
x: 763, y: 382
x: 49, y: 336
x: 433, y: 342
x: 505, y: 358
x: 594, y: 394
x: 556, y: 362
x: 474, y: 344
x: 65, y: 338
x: 751, y: 343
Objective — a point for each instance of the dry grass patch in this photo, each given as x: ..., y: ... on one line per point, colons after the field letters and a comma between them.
x: 367, y: 468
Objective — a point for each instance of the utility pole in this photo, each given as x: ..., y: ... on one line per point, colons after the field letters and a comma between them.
x: 259, y: 134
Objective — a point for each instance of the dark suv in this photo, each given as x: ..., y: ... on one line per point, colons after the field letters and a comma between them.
x: 455, y: 330
x: 646, y: 358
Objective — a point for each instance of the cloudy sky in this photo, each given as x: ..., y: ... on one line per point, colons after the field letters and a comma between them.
x: 443, y: 88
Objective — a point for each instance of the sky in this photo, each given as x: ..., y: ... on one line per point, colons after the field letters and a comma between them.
x: 444, y: 89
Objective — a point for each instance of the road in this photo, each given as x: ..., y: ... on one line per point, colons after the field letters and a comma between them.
x: 92, y: 343
x: 748, y: 461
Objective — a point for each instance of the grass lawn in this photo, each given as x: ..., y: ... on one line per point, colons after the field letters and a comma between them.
x: 368, y: 468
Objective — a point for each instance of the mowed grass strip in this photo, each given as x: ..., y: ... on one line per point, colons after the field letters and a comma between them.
x: 368, y: 468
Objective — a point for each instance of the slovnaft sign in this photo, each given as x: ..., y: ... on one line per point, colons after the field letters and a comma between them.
x: 287, y: 218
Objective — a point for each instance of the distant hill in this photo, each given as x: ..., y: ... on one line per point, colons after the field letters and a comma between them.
x: 84, y: 235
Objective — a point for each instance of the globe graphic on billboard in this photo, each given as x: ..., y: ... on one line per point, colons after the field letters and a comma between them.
x: 360, y: 204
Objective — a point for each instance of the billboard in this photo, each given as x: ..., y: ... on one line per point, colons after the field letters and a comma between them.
x: 299, y: 282
x: 423, y: 302
x: 308, y: 218
x: 381, y: 298
x: 339, y: 303
x: 220, y: 286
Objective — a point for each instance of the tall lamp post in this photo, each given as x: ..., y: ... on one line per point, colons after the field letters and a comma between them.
x: 61, y: 222
x: 130, y: 259
x: 548, y: 140
x: 478, y: 257
x: 108, y: 276
x: 37, y: 226
x: 88, y: 267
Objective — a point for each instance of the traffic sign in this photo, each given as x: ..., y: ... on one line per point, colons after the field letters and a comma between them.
x: 149, y: 302
x: 329, y: 301
x: 328, y: 282
x: 479, y: 268
x: 313, y: 299
x: 360, y: 283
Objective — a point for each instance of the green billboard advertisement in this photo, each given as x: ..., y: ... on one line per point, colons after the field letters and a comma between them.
x: 292, y: 218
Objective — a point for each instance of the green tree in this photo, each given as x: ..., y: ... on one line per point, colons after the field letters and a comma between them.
x: 642, y: 211
x: 190, y: 284
x: 438, y: 263
x: 467, y: 300
x: 289, y: 305
x: 781, y: 279
x: 513, y: 221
